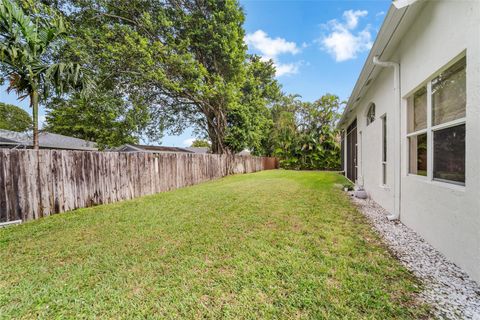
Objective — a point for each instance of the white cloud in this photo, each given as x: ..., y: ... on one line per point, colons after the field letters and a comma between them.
x: 351, y: 17
x: 272, y: 48
x: 269, y: 47
x: 288, y: 68
x: 188, y: 142
x: 381, y: 13
x: 282, y: 69
x: 343, y: 42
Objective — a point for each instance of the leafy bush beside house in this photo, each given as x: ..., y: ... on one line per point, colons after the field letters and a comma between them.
x: 303, y: 136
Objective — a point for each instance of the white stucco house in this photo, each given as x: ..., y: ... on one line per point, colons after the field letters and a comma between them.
x: 411, y: 127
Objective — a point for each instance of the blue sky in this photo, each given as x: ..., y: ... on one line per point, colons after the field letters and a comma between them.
x: 318, y: 46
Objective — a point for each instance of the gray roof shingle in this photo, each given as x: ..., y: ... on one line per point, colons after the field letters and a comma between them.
x: 152, y: 149
x: 46, y: 140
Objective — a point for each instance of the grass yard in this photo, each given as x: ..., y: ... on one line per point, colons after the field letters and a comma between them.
x: 274, y: 244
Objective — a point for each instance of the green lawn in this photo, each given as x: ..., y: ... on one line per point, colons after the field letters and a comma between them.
x: 274, y: 244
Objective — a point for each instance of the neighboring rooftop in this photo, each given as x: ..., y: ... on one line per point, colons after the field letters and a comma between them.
x: 198, y: 149
x: 46, y: 140
x: 152, y: 149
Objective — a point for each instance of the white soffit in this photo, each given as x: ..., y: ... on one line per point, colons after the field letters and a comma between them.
x: 403, y: 3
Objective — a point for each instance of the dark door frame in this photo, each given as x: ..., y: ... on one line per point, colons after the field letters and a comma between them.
x: 352, y: 151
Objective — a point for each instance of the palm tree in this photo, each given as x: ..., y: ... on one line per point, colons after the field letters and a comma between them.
x: 26, y: 49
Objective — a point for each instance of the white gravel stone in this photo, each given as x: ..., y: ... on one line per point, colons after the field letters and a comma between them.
x: 447, y: 288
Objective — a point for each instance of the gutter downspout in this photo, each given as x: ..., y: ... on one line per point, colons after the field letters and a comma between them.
x: 397, y: 126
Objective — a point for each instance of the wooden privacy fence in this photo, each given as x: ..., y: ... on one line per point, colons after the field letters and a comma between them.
x: 35, y: 184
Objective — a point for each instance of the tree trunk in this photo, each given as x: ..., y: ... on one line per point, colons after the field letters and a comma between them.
x: 216, y: 132
x: 217, y: 145
x: 34, y: 102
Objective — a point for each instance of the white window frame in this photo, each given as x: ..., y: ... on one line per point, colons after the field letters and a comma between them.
x: 430, y: 129
x: 427, y: 130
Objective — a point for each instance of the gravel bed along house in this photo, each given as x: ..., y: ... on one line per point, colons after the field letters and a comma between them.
x: 447, y: 288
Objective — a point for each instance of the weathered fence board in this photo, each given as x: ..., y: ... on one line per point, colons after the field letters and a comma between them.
x: 36, y: 184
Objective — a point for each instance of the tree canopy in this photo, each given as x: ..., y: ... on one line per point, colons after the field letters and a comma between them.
x: 104, y: 118
x: 199, y: 143
x: 186, y: 60
x: 14, y: 118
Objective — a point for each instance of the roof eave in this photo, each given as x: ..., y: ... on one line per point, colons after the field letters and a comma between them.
x: 382, y: 44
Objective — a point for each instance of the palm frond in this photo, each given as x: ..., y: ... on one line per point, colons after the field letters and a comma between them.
x: 68, y: 76
x: 23, y: 53
x: 16, y: 19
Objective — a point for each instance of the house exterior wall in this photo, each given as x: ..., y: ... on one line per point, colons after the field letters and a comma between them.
x: 445, y: 215
x: 371, y: 140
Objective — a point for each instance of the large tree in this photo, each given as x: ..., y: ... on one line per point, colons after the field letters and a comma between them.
x: 28, y: 44
x: 14, y: 118
x: 250, y: 120
x: 103, y: 117
x: 187, y: 58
